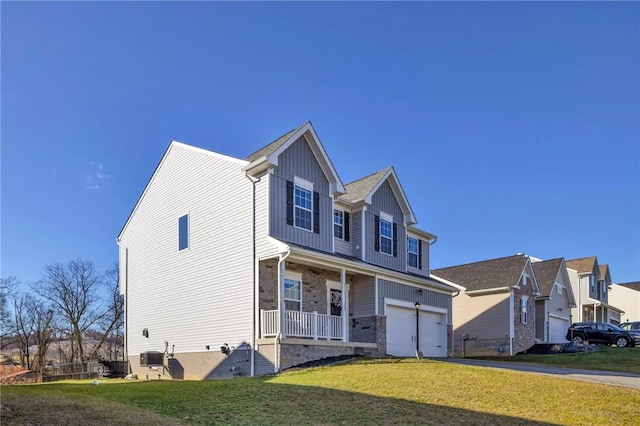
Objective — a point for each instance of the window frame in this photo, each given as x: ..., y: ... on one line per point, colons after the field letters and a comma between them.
x: 386, y: 218
x: 288, y: 280
x: 302, y: 185
x: 336, y: 225
x: 183, y: 232
x: 416, y: 253
x: 524, y: 309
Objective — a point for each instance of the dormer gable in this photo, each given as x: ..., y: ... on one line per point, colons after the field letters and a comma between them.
x: 585, y: 266
x: 551, y: 274
x: 267, y: 157
x: 361, y: 191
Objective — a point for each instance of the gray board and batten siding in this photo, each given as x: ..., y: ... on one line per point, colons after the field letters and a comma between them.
x: 298, y: 160
x: 392, y: 290
x: 384, y: 200
x: 363, y: 296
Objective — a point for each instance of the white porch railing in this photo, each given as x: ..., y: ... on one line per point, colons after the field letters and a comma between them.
x: 302, y: 324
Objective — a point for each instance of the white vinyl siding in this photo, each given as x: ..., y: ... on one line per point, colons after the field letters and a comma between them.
x: 204, y: 295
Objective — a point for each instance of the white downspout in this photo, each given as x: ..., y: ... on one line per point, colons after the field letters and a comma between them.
x: 278, y: 338
x: 126, y: 300
x: 345, y: 305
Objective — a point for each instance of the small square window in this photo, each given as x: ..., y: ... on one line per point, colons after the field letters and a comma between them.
x: 183, y: 232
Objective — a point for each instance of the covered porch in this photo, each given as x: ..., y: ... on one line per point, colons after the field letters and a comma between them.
x: 303, y: 324
x: 303, y: 299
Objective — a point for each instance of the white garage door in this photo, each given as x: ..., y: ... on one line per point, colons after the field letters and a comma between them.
x: 558, y: 330
x: 401, y: 332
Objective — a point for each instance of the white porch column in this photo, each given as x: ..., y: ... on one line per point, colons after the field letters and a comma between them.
x: 345, y: 306
x: 281, y: 297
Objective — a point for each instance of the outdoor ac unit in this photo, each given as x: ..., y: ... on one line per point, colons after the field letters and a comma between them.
x: 151, y: 358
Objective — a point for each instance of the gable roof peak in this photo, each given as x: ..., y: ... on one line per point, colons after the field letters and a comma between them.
x: 499, y: 273
x: 267, y: 150
x: 266, y: 158
x: 362, y: 190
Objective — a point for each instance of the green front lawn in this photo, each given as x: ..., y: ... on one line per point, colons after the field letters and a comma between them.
x: 606, y: 358
x: 361, y: 392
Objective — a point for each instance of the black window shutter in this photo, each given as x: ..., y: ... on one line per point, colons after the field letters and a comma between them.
x: 395, y: 240
x: 289, y: 202
x: 377, y: 244
x: 316, y: 212
x: 345, y: 220
x: 419, y: 254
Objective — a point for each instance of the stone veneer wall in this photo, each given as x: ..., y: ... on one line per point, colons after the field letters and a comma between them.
x: 481, y: 347
x: 314, y: 285
x: 194, y: 366
x: 370, y: 329
x: 524, y: 335
x: 292, y: 355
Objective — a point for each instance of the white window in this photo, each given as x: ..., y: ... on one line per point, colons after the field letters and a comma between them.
x: 525, y: 278
x: 338, y: 224
x: 303, y: 203
x: 524, y: 310
x: 183, y: 232
x: 559, y: 288
x: 412, y: 250
x: 386, y: 233
x: 292, y: 294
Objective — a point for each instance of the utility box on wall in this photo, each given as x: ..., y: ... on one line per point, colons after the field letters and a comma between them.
x: 151, y: 358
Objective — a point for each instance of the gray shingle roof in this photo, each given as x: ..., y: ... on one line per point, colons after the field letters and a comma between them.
x: 546, y: 272
x: 487, y: 274
x: 273, y: 146
x: 582, y: 265
x: 359, y: 189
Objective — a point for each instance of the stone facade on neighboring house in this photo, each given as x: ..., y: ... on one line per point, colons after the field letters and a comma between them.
x: 494, y: 314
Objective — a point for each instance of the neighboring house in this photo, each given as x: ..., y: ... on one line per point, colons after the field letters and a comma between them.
x: 626, y: 296
x: 591, y: 282
x: 494, y: 314
x: 250, y: 266
x: 553, y: 306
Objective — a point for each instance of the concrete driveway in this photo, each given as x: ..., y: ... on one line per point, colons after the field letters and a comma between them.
x: 628, y: 380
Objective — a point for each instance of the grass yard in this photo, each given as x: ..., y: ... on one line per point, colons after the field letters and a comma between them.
x: 360, y: 392
x: 606, y: 358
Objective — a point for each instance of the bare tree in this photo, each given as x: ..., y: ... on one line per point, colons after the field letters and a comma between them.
x: 24, y: 326
x: 111, y: 323
x: 73, y: 291
x: 43, y: 318
x: 33, y: 321
x: 8, y: 287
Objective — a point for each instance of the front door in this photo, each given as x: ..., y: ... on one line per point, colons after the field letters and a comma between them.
x: 335, y: 302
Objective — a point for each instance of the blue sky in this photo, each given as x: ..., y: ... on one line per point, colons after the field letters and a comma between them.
x: 513, y: 127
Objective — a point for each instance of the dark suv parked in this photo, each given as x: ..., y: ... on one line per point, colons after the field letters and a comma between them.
x: 633, y: 328
x: 599, y: 332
